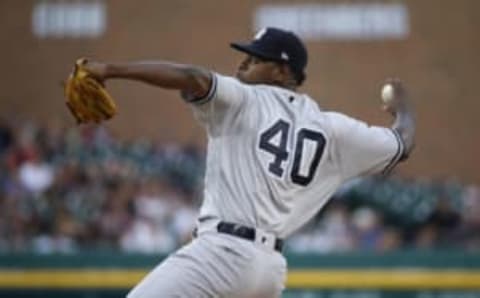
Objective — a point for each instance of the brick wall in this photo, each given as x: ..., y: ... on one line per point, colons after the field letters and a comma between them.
x: 439, y: 62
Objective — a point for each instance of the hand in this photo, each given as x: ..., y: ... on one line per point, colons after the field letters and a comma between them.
x: 399, y: 99
x: 97, y: 70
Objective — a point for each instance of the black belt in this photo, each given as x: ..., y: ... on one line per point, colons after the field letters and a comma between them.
x: 245, y: 233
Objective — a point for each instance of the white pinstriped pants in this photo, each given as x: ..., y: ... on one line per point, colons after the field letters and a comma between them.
x: 216, y: 265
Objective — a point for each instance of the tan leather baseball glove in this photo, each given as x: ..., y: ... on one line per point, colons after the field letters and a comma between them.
x: 86, y: 97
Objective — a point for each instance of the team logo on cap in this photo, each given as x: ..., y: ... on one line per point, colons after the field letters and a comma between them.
x: 260, y: 33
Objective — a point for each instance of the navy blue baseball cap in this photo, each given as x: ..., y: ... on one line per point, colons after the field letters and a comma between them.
x: 277, y: 45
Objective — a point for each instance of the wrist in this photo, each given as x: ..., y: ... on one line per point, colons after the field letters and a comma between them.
x: 109, y: 71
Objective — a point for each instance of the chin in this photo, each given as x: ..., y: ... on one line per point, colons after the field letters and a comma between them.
x: 239, y: 75
x: 243, y: 78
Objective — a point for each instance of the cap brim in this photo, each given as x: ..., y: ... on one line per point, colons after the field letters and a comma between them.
x: 250, y: 50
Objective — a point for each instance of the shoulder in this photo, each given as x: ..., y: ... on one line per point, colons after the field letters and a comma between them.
x: 342, y: 124
x: 229, y: 90
x: 277, y: 94
x: 339, y: 120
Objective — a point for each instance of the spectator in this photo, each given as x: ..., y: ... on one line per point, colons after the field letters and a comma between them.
x: 445, y: 220
x: 469, y: 231
x: 64, y: 190
x: 368, y: 230
x: 35, y: 174
x: 149, y: 230
x: 6, y: 135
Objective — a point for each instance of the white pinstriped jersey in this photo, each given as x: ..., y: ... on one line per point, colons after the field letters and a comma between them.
x: 275, y: 158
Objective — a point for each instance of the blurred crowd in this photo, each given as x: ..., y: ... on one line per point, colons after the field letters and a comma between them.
x: 75, y: 189
x: 70, y: 189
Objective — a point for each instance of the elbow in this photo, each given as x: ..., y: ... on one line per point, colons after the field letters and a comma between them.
x: 405, y: 128
x: 408, y: 144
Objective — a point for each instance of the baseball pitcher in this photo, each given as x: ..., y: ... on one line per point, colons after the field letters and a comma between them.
x: 274, y: 159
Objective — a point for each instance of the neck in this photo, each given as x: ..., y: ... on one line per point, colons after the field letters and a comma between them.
x: 285, y: 84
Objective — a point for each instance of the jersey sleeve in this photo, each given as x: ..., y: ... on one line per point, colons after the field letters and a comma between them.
x: 363, y: 149
x: 225, y: 97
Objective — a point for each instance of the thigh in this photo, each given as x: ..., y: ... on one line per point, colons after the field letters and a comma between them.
x: 255, y: 271
x: 180, y: 275
x: 216, y: 266
x: 268, y: 274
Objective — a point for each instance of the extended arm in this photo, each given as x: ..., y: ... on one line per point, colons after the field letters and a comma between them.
x: 187, y: 78
x: 401, y: 108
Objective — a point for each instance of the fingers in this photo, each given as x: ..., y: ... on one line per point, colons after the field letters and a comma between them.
x: 397, y: 98
x: 398, y: 87
x: 388, y: 108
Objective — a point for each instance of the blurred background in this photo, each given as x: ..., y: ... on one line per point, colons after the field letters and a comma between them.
x: 102, y: 205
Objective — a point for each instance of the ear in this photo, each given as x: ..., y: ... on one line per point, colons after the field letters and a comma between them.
x: 281, y: 73
x: 287, y: 75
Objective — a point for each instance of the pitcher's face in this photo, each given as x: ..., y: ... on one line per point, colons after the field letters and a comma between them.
x: 255, y: 70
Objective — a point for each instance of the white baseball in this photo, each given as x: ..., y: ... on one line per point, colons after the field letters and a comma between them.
x: 387, y: 93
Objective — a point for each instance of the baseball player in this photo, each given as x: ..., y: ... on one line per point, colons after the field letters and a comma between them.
x: 274, y: 159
